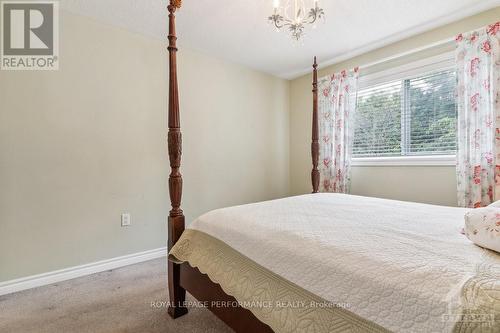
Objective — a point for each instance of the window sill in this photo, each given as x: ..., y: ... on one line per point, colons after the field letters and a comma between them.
x: 438, y: 160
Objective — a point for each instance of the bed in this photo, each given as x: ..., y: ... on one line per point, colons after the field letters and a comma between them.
x: 377, y: 264
x: 326, y: 262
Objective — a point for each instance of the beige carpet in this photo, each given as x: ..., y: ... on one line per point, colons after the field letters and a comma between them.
x: 113, y: 301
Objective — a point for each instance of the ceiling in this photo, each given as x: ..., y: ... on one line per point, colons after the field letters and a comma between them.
x: 236, y: 30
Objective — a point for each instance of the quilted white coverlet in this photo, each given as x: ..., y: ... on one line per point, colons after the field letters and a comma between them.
x: 401, y: 265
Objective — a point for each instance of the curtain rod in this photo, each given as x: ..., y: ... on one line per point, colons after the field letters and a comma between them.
x: 412, y: 51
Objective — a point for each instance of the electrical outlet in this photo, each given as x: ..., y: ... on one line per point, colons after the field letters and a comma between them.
x: 125, y: 219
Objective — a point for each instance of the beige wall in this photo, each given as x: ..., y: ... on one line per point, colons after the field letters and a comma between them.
x: 81, y: 145
x: 431, y: 184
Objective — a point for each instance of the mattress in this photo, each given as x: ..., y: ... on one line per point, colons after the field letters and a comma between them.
x: 382, y: 264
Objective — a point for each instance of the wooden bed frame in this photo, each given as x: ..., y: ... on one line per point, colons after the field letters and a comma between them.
x: 182, y: 278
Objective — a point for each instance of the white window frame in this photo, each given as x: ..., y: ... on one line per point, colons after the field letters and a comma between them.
x: 421, y: 67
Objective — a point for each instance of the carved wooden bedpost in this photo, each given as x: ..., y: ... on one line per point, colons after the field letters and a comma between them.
x: 315, y: 131
x: 177, y: 294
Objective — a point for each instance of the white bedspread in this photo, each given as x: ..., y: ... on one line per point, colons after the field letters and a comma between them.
x: 401, y: 265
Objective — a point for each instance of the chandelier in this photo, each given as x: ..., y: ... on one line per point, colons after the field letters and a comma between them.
x: 294, y: 15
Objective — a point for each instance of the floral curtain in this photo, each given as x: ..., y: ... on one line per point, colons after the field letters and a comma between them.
x: 478, y: 153
x: 336, y: 107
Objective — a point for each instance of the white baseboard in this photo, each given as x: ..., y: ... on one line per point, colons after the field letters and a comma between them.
x: 38, y: 280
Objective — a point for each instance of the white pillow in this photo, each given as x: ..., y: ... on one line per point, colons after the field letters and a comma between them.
x: 482, y: 226
x: 495, y: 204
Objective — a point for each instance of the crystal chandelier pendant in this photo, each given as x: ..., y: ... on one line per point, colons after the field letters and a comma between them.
x: 294, y: 15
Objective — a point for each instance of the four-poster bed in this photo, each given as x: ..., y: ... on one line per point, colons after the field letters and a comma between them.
x: 283, y: 265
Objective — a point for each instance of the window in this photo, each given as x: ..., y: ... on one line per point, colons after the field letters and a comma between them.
x: 410, y: 117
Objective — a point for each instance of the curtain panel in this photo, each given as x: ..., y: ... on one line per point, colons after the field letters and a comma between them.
x: 336, y: 107
x: 478, y: 152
